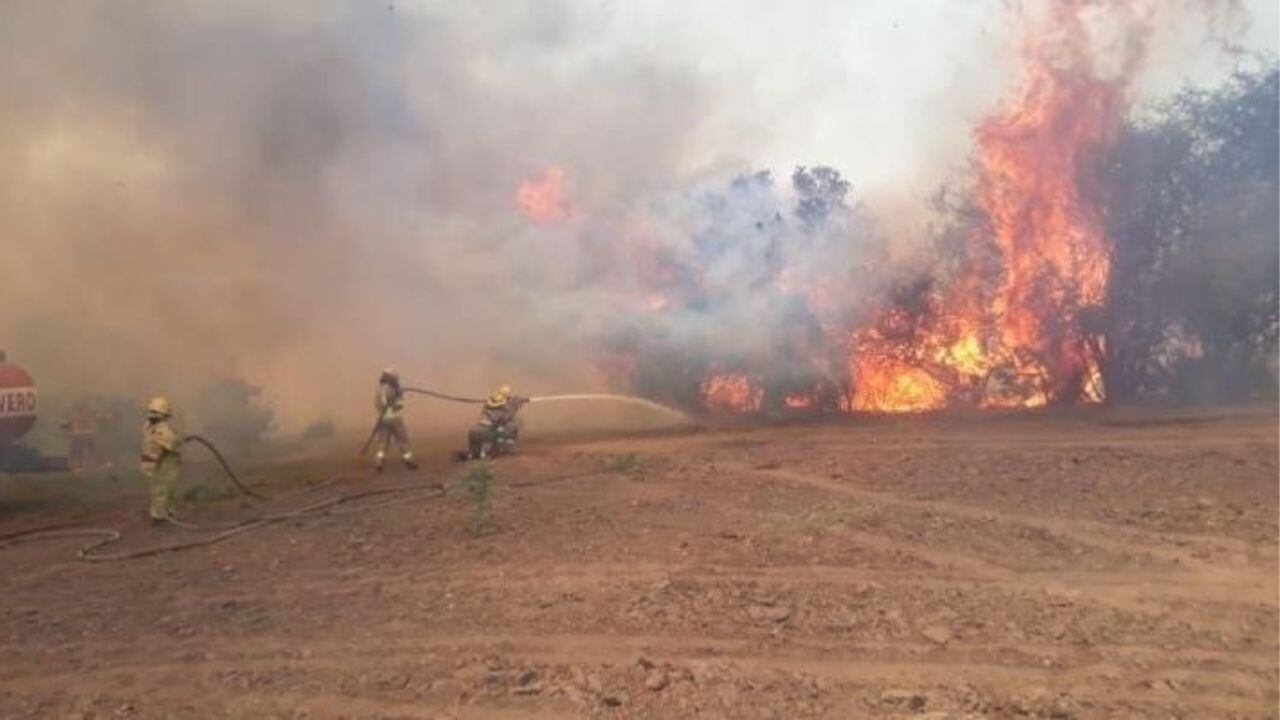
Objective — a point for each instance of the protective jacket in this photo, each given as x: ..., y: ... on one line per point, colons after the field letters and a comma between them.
x: 389, y: 401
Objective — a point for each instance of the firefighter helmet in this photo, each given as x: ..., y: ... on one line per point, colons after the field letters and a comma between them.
x: 159, y: 408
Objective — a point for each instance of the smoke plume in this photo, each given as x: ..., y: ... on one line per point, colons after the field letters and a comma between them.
x: 300, y: 194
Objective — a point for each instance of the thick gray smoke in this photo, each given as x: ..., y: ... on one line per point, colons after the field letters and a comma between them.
x: 300, y: 196
x: 299, y: 193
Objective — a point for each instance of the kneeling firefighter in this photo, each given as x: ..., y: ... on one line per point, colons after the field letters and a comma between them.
x: 161, y: 459
x: 389, y: 402
x: 497, y: 430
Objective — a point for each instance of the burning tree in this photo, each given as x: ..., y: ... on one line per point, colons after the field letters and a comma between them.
x: 1013, y: 326
x: 1083, y: 257
x: 1087, y: 258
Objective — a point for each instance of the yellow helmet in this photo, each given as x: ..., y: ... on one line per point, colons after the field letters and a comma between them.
x: 159, y: 407
x: 499, y: 397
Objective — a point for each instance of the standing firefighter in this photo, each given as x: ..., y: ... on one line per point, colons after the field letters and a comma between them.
x: 389, y: 403
x: 161, y: 461
x: 496, y: 432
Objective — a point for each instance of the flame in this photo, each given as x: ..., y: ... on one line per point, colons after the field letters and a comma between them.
x: 1023, y: 345
x: 966, y: 355
x: 733, y: 392
x: 544, y: 198
x: 1055, y: 254
x: 1009, y: 321
x: 896, y: 387
x: 797, y: 401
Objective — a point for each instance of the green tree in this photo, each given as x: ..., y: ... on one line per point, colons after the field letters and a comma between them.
x: 1191, y: 200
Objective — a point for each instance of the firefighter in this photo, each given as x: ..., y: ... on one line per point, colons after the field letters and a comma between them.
x: 497, y: 427
x: 161, y: 460
x: 389, y: 403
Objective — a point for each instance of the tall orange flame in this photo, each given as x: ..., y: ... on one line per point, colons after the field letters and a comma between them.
x: 1014, y: 317
x: 1026, y: 343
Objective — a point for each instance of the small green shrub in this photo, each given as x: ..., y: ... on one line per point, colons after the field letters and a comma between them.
x: 477, y: 486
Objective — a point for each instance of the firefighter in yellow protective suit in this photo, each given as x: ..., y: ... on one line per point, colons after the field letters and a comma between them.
x: 497, y: 431
x: 389, y: 402
x: 161, y: 459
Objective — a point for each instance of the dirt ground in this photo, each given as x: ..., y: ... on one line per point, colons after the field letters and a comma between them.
x: 997, y: 567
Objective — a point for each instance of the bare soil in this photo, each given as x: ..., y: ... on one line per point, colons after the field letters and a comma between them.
x: 998, y: 567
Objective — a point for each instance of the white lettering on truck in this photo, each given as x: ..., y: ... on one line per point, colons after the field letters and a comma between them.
x: 17, y: 402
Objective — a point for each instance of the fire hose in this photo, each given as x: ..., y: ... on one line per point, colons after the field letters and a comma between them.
x: 101, y: 537
x: 231, y: 475
x: 444, y: 396
x: 373, y: 432
x: 106, y: 536
x: 606, y: 397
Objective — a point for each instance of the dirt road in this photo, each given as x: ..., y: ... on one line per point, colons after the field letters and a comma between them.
x: 944, y: 568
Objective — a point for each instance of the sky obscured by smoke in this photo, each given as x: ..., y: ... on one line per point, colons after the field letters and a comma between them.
x: 301, y: 193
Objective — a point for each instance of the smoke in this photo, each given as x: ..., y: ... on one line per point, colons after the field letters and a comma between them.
x: 300, y: 194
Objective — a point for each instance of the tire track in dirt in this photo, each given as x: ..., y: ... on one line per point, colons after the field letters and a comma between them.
x: 1181, y: 548
x: 374, y: 618
x: 1218, y: 686
x: 391, y: 643
x: 1139, y: 592
x: 1090, y: 533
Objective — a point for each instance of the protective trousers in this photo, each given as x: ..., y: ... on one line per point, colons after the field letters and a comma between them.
x: 164, y: 480
x: 393, y: 429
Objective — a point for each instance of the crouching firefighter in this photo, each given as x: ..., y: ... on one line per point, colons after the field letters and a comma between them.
x: 389, y: 402
x: 161, y: 459
x: 497, y: 430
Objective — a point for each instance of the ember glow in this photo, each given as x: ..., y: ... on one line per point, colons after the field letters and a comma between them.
x: 897, y: 387
x: 798, y: 402
x: 732, y: 392
x: 544, y: 198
